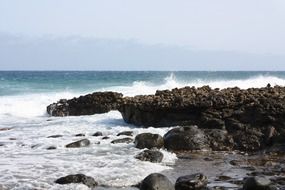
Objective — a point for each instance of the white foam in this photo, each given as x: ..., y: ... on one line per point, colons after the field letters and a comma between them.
x: 110, y: 164
x: 170, y: 82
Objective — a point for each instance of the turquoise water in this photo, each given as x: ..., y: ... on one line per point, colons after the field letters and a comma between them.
x: 18, y: 82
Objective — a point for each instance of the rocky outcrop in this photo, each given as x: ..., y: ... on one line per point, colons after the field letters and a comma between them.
x: 98, y: 102
x: 227, y: 119
x: 230, y: 118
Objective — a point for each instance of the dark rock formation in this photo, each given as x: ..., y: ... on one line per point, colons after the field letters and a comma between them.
x: 98, y: 102
x: 123, y: 140
x: 191, y: 182
x: 150, y: 155
x: 248, y: 119
x: 156, y: 181
x: 78, y: 144
x: 78, y: 178
x: 148, y: 140
x: 227, y: 119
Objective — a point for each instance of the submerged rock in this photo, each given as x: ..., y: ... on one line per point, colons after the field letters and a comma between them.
x: 98, y: 102
x: 78, y: 178
x: 150, y: 155
x: 97, y: 134
x: 126, y: 133
x: 191, y: 182
x: 54, y: 136
x: 78, y: 144
x: 148, y: 140
x: 123, y: 140
x: 156, y: 181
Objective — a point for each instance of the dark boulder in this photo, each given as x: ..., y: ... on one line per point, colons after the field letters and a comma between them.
x: 150, y: 155
x: 123, y: 140
x: 156, y: 181
x: 186, y: 138
x: 78, y: 144
x: 98, y: 102
x: 257, y: 183
x: 148, y: 140
x: 191, y: 182
x: 77, y: 178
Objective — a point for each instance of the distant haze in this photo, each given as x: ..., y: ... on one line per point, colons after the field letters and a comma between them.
x: 142, y: 35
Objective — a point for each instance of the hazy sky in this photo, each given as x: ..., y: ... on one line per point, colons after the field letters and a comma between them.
x: 254, y: 27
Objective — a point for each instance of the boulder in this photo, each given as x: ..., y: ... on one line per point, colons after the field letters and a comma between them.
x: 191, y: 182
x: 78, y: 144
x: 257, y: 183
x: 156, y: 181
x: 77, y: 178
x: 148, y: 140
x: 98, y: 102
x: 150, y: 155
x: 186, y: 138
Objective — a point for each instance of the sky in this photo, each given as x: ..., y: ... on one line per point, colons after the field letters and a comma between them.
x: 142, y: 35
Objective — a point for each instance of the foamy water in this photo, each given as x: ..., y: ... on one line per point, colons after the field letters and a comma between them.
x: 25, y: 162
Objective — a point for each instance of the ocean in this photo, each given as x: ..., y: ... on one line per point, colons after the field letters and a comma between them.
x: 25, y: 162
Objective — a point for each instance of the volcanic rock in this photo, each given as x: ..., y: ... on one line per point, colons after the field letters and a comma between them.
x: 98, y: 102
x: 78, y: 178
x: 150, y: 155
x: 148, y: 140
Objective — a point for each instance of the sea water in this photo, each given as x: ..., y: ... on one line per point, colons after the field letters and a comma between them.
x: 25, y: 162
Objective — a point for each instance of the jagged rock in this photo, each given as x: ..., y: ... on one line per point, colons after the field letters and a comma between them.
x: 156, y: 181
x: 123, y: 140
x: 191, y: 182
x: 78, y: 178
x: 186, y: 138
x: 150, y: 155
x: 126, y: 133
x: 78, y: 144
x: 148, y: 140
x: 98, y: 102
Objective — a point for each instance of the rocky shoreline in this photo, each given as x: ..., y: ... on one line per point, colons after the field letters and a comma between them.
x: 226, y: 120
